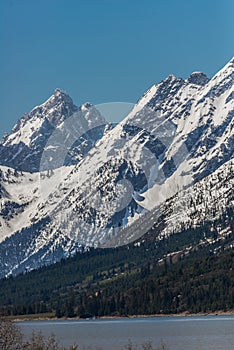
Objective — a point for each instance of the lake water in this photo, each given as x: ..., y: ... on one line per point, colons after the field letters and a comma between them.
x: 179, y: 333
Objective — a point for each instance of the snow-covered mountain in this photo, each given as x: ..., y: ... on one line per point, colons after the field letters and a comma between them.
x: 170, y: 152
x: 22, y: 149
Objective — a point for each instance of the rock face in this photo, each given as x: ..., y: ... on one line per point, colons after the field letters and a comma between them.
x: 97, y: 183
x: 198, y: 78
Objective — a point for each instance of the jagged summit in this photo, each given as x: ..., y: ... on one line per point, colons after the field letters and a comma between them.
x: 170, y: 81
x: 59, y: 91
x: 60, y: 95
x: 170, y: 78
x: 56, y: 108
x: 23, y: 147
x: 198, y: 78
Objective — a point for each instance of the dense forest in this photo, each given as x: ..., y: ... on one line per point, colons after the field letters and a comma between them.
x: 185, y: 273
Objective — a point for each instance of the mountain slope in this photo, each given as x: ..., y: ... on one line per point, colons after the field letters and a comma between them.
x: 208, y: 200
x: 177, y: 140
x: 128, y: 280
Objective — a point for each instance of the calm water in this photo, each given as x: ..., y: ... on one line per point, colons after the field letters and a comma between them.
x: 182, y: 333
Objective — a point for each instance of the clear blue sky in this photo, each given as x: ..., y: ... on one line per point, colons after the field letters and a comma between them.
x: 105, y: 50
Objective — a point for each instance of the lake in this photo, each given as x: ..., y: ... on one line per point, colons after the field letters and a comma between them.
x: 179, y: 333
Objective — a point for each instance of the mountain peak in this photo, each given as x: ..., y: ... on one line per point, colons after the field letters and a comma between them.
x: 171, y: 77
x: 33, y: 130
x: 60, y: 93
x: 198, y: 78
x: 85, y: 106
x: 59, y: 96
x: 171, y: 80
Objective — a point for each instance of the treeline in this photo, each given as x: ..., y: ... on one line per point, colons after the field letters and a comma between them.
x: 188, y: 285
x: 142, y: 278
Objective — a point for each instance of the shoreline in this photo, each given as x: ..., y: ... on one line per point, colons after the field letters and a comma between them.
x: 24, y: 318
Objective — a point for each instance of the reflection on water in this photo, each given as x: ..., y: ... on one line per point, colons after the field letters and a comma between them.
x: 179, y: 333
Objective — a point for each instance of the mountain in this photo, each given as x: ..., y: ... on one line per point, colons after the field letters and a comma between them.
x: 168, y: 164
x: 22, y: 149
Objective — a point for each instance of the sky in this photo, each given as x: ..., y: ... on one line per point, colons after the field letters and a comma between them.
x: 105, y: 50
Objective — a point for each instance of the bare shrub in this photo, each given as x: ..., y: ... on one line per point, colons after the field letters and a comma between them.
x: 11, y: 339
x: 10, y: 336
